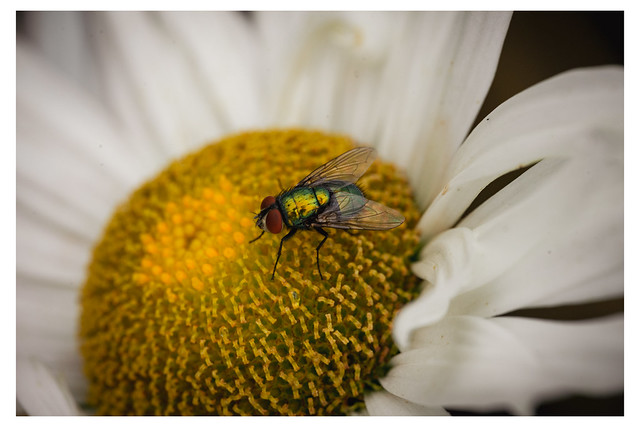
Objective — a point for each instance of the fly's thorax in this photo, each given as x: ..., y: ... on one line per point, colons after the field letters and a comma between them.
x: 303, y: 203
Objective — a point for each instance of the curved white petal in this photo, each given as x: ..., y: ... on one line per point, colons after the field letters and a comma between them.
x: 555, y: 234
x: 447, y: 265
x: 552, y: 236
x: 512, y: 363
x: 550, y: 243
x: 384, y: 403
x: 560, y: 118
x: 39, y: 392
x: 410, y: 84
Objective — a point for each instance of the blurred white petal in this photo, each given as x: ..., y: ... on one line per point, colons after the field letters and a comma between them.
x: 410, y: 84
x: 65, y: 134
x: 231, y: 79
x: 60, y: 37
x: 384, y: 403
x: 47, y: 327
x: 160, y: 88
x: 48, y: 252
x: 488, y: 364
x: 40, y: 393
x: 72, y: 170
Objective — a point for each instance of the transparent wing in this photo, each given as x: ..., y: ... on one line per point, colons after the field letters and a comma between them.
x: 347, y: 167
x: 355, y: 212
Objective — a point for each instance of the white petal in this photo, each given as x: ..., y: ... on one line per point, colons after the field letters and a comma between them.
x: 465, y: 68
x: 555, y: 234
x: 549, y: 243
x: 159, y: 86
x: 72, y: 170
x: 73, y: 166
x: 67, y: 142
x: 225, y: 55
x: 560, y: 118
x: 486, y: 364
x: 51, y: 108
x: 47, y: 327
x: 40, y: 393
x: 447, y: 265
x: 384, y: 403
x: 410, y: 84
x: 60, y: 36
x: 48, y: 252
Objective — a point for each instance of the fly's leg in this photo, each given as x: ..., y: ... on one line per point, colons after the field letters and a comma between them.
x: 257, y: 237
x: 326, y: 235
x: 287, y: 237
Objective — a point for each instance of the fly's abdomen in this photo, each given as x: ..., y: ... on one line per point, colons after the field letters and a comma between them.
x: 300, y: 204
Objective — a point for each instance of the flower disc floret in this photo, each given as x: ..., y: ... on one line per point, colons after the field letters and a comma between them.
x: 179, y: 315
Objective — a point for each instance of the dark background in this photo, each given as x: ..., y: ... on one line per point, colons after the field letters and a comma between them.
x: 542, y: 44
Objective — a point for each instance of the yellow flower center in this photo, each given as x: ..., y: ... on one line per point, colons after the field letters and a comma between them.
x: 179, y: 312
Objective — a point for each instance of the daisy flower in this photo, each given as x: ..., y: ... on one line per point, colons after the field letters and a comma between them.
x: 145, y: 141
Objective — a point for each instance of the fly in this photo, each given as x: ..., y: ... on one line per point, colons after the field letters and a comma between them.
x: 327, y: 198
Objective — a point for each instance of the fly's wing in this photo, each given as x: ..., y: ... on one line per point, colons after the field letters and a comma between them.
x: 347, y: 168
x: 355, y: 212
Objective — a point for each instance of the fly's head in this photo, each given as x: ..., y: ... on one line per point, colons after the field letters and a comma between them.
x: 269, y: 219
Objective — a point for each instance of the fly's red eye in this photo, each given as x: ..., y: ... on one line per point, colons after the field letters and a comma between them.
x: 267, y: 201
x: 274, y: 221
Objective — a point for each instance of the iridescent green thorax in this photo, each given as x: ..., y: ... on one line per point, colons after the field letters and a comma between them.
x: 300, y: 204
